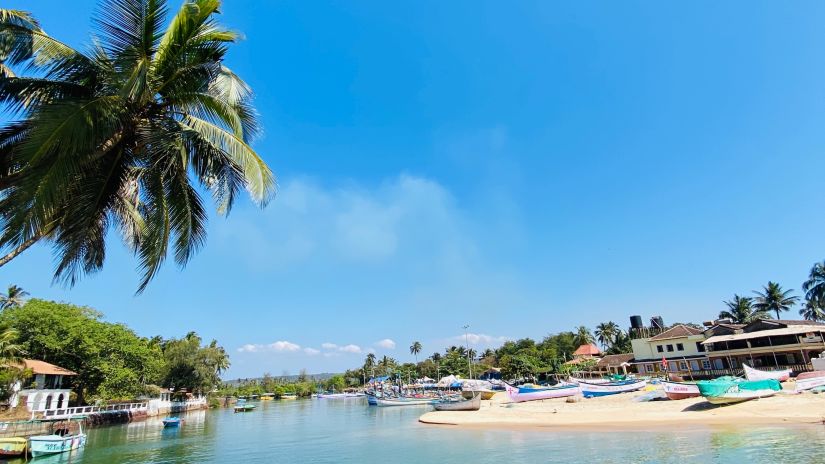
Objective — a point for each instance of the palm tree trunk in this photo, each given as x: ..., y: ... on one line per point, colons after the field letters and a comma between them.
x: 23, y: 246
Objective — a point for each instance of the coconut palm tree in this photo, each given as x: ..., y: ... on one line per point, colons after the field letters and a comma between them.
x: 13, y: 298
x: 10, y: 352
x: 740, y: 310
x: 773, y: 299
x: 415, y: 348
x: 606, y: 332
x: 582, y: 336
x: 436, y: 357
x: 122, y: 136
x: 814, y: 287
x: 811, y: 311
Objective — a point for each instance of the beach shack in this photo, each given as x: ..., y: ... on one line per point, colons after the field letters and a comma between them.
x: 46, y: 390
x: 767, y: 343
x: 681, y: 347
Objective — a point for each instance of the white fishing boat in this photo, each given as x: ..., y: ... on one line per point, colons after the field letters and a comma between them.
x: 520, y: 395
x: 808, y: 380
x: 680, y: 390
x: 756, y: 374
x: 60, y: 441
x: 590, y: 390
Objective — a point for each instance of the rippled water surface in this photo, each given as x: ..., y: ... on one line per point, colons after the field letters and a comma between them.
x: 349, y: 432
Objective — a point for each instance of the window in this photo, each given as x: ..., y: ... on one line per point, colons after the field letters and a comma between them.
x: 700, y: 347
x: 669, y: 348
x: 683, y: 366
x: 705, y: 364
x: 649, y: 367
x: 680, y: 347
x: 733, y: 363
x: 659, y: 348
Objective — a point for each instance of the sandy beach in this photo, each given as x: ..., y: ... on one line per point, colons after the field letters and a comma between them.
x: 623, y: 410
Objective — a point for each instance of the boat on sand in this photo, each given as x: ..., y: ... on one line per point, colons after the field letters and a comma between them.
x: 454, y: 404
x: 756, y: 374
x: 809, y: 380
x: 590, y: 390
x: 727, y: 390
x: 680, y: 390
x: 517, y: 395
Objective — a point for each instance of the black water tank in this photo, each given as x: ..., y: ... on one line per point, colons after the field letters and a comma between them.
x: 636, y: 322
x: 657, y: 323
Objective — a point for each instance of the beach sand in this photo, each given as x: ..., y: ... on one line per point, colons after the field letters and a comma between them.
x: 608, y: 412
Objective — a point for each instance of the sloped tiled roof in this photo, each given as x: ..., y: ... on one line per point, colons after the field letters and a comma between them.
x: 587, y: 350
x: 615, y: 360
x: 678, y: 331
x: 42, y: 367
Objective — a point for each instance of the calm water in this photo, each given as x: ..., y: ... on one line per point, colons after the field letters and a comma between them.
x: 350, y: 432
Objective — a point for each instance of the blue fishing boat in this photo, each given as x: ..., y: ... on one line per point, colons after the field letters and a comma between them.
x: 170, y: 422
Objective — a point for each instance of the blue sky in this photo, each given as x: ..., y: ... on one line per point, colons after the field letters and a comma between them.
x: 519, y: 168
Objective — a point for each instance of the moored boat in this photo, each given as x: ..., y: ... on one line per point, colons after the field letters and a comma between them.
x: 60, y: 441
x: 756, y: 374
x: 14, y: 446
x: 809, y: 380
x: 404, y: 401
x: 532, y: 394
x: 590, y: 390
x: 575, y: 381
x: 452, y: 404
x: 243, y: 406
x: 289, y: 396
x: 727, y: 390
x: 172, y: 422
x: 680, y: 390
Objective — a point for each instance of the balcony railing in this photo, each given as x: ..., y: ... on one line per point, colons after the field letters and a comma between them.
x: 83, y: 410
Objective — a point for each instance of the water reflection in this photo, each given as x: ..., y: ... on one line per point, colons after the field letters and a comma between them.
x: 350, y: 432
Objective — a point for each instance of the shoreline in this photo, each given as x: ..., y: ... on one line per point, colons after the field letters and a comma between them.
x: 622, y: 412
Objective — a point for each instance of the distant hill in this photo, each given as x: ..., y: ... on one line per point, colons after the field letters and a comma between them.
x: 283, y: 378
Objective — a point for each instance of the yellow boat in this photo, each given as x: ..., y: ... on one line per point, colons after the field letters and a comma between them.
x: 267, y: 398
x: 289, y: 396
x: 13, y: 446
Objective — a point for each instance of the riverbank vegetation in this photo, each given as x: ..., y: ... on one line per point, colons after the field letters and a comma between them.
x: 112, y: 362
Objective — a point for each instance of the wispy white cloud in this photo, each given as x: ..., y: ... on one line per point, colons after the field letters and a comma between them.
x: 329, y: 346
x: 311, y: 351
x: 278, y: 347
x: 386, y: 343
x: 350, y: 348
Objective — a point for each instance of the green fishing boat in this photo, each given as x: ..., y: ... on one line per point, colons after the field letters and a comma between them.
x: 727, y: 390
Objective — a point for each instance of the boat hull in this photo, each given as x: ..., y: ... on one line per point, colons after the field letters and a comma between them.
x: 517, y: 396
x: 809, y: 380
x: 740, y: 396
x: 55, y: 444
x: 680, y: 391
x: 473, y: 404
x: 756, y: 374
x: 13, y: 446
x: 387, y: 402
x: 591, y: 390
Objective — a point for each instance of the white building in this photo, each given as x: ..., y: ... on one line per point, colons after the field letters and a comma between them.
x: 680, y: 346
x: 46, y: 391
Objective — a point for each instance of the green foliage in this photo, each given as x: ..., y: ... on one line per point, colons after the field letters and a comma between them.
x: 193, y: 367
x: 123, y: 136
x: 740, y: 311
x: 111, y: 360
x: 14, y: 297
x: 773, y: 299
